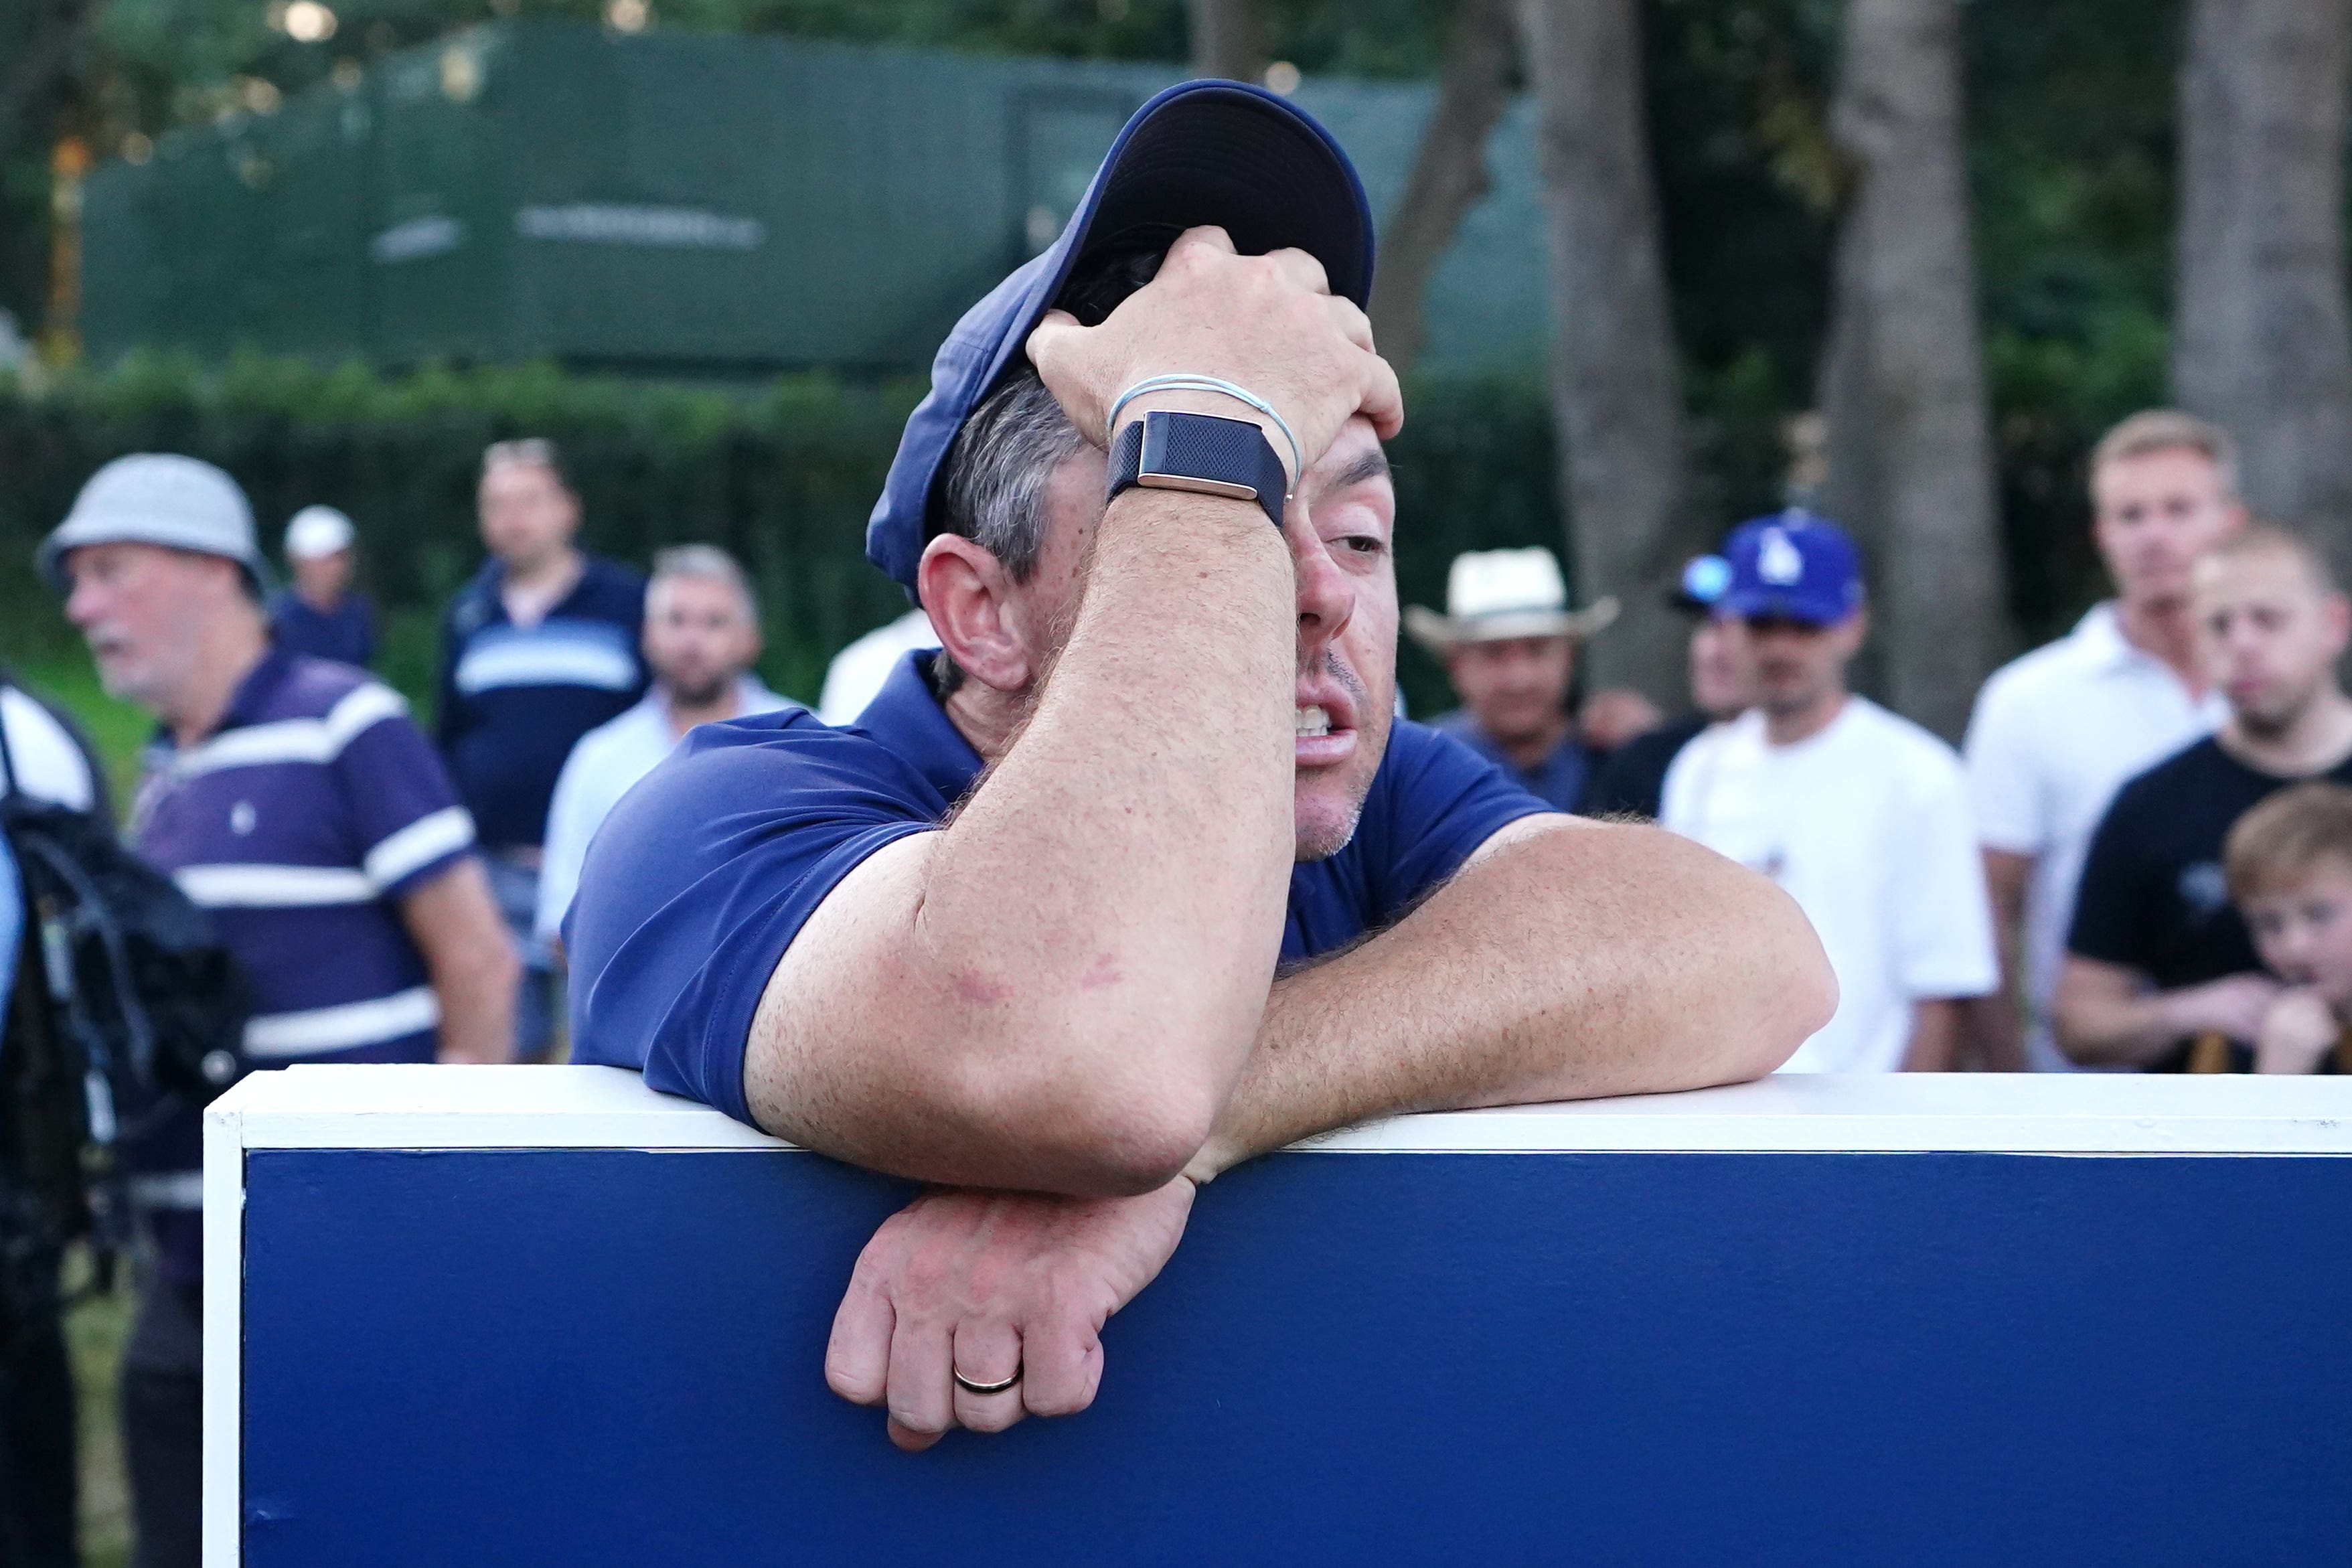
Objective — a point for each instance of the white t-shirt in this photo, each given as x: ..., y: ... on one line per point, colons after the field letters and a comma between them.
x: 2054, y: 735
x: 603, y: 765
x: 49, y: 763
x: 857, y: 671
x: 1866, y: 824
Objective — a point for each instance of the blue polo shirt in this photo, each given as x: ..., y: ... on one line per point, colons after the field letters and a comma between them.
x: 1560, y: 778
x: 298, y: 825
x: 345, y: 633
x: 516, y: 699
x: 706, y: 870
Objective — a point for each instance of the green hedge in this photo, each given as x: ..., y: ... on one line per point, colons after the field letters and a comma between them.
x: 782, y: 475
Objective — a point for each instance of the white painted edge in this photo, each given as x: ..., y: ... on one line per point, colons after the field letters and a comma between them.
x: 223, y: 1333
x: 585, y: 1107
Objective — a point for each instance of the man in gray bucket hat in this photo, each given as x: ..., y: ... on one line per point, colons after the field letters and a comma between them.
x: 292, y: 800
x: 160, y: 498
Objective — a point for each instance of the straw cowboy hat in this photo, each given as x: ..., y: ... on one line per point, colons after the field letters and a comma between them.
x: 1495, y: 593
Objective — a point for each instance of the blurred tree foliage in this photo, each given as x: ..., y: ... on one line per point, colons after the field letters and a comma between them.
x: 2070, y: 110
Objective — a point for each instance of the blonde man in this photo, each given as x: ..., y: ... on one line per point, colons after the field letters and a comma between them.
x: 2056, y: 732
x: 2156, y: 959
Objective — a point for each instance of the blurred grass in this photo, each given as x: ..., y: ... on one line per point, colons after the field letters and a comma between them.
x: 116, y: 729
x: 95, y: 1330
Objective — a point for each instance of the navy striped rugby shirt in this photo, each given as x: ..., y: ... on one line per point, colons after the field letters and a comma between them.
x: 299, y: 825
x: 514, y: 699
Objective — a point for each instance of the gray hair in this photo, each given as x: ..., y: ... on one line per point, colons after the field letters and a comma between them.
x: 709, y: 563
x: 531, y: 450
x: 995, y: 493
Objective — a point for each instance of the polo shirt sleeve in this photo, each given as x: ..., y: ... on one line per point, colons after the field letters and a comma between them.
x: 2113, y: 895
x: 1432, y: 803
x: 2004, y: 770
x: 702, y: 876
x: 404, y: 815
x: 1941, y: 914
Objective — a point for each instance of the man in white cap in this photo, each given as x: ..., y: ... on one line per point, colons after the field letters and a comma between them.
x: 293, y: 801
x: 321, y: 615
x: 1508, y: 642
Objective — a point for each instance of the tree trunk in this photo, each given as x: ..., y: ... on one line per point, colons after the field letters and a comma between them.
x: 2260, y: 340
x: 1228, y: 39
x: 1449, y: 174
x: 1616, y: 391
x: 1910, y: 447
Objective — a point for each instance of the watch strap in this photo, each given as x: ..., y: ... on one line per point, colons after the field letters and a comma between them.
x: 1201, y: 453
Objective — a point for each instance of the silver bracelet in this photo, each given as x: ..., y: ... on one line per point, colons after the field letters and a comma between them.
x: 1182, y: 383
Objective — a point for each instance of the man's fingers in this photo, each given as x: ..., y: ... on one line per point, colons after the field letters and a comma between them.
x: 987, y: 1351
x: 1301, y: 269
x: 858, y: 1357
x: 1063, y: 1367
x: 1208, y: 234
x: 1383, y: 400
x: 908, y: 1438
x: 1350, y: 318
x: 921, y: 1381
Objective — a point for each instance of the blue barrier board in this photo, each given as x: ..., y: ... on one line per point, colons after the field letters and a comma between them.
x: 591, y: 1355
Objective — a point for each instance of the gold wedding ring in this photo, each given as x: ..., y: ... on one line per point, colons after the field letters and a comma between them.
x: 969, y: 1386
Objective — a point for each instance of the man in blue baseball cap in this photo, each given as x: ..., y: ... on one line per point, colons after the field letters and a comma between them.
x: 1043, y: 927
x: 1860, y: 814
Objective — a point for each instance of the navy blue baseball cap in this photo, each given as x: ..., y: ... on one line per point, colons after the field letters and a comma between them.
x: 1218, y: 152
x: 1793, y: 565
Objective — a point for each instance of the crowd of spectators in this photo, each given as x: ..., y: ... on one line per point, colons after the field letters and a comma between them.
x: 2123, y: 867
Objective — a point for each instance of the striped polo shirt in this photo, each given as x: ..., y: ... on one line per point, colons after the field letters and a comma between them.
x: 298, y: 825
x: 514, y: 699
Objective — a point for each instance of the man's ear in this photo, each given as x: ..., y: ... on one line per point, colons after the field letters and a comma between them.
x: 1856, y: 631
x: 965, y: 589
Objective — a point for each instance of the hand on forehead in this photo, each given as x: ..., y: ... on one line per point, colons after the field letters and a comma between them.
x: 1353, y: 458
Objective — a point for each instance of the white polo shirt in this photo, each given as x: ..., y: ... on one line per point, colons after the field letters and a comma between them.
x: 857, y: 671
x: 2054, y: 735
x: 48, y: 764
x: 1866, y: 824
x: 603, y: 765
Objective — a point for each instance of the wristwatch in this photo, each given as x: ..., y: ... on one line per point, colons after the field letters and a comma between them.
x: 1201, y: 453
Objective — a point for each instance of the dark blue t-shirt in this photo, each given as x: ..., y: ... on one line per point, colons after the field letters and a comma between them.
x: 345, y: 633
x: 514, y: 699
x: 706, y: 870
x: 1560, y: 778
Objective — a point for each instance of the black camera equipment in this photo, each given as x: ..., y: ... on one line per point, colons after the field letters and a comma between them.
x: 124, y: 992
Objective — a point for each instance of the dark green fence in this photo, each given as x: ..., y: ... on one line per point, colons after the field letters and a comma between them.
x: 732, y: 205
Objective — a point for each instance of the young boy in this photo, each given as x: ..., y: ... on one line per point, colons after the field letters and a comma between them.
x: 2290, y: 866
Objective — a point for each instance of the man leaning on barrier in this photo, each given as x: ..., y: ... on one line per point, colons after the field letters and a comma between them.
x: 1135, y: 879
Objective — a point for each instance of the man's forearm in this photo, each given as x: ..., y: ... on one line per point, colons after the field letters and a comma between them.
x: 2116, y: 1031
x: 1135, y: 841
x: 478, y: 1010
x: 470, y: 961
x: 1568, y: 960
x: 1935, y: 1045
x: 1057, y: 991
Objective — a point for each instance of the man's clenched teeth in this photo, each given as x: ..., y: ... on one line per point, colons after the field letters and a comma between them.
x: 1312, y: 722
